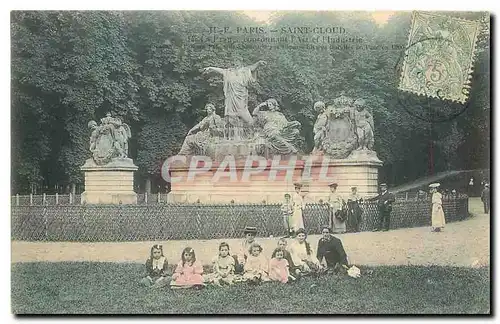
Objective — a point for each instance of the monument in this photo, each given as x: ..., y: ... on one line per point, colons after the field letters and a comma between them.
x: 344, y: 134
x: 255, y: 157
x: 109, y: 173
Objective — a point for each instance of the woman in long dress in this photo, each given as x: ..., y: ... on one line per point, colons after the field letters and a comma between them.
x: 438, y: 219
x: 297, y: 221
x: 336, y: 203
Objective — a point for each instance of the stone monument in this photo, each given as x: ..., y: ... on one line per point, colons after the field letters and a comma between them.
x: 344, y: 133
x: 266, y: 142
x: 109, y: 173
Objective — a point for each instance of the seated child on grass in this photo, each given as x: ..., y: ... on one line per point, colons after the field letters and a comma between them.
x: 188, y: 272
x: 282, y: 244
x: 278, y: 267
x: 156, y: 269
x: 256, y: 266
x: 223, y: 266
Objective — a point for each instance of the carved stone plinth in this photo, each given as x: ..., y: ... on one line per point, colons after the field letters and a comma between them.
x: 314, y: 173
x: 112, y: 183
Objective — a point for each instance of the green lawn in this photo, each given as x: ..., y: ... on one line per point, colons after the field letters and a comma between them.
x: 110, y: 288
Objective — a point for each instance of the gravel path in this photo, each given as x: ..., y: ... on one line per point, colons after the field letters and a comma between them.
x: 465, y: 243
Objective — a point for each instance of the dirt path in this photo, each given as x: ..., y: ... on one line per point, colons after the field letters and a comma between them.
x: 465, y: 243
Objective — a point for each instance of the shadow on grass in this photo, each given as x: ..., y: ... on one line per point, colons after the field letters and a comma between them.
x: 112, y: 288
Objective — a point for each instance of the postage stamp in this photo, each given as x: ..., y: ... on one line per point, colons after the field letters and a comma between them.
x: 439, y: 56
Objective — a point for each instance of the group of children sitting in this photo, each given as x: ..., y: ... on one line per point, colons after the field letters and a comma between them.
x: 248, y: 264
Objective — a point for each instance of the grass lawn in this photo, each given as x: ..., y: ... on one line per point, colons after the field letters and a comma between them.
x: 111, y: 288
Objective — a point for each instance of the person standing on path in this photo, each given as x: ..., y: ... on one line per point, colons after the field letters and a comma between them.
x: 297, y: 220
x: 384, y: 206
x: 438, y: 220
x: 336, y: 203
x: 354, y: 210
x: 485, y: 198
x: 287, y: 210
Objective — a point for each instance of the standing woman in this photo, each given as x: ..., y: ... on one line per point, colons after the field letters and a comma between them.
x: 336, y: 204
x: 438, y: 220
x: 297, y: 220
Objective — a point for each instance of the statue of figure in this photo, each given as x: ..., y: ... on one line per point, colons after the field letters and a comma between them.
x: 93, y: 137
x: 364, y: 126
x: 198, y: 137
x: 236, y: 82
x: 280, y: 135
x: 319, y: 126
x: 109, y: 140
x: 121, y: 134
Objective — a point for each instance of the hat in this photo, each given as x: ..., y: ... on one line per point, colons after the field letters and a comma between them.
x: 383, y: 184
x: 297, y: 185
x: 250, y: 230
x: 434, y: 185
x: 354, y: 188
x: 333, y: 184
x: 300, y: 230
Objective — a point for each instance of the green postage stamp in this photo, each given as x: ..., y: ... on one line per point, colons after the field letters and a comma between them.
x: 439, y: 56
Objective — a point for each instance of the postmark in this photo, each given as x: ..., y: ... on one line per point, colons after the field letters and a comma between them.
x: 439, y: 57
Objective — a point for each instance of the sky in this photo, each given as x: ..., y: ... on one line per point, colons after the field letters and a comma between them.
x: 380, y: 17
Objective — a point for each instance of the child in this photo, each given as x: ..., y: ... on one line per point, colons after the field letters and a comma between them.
x: 242, y: 251
x: 302, y: 255
x: 156, y: 269
x: 287, y: 210
x: 282, y: 244
x: 188, y: 272
x: 278, y: 266
x: 256, y: 266
x: 223, y: 266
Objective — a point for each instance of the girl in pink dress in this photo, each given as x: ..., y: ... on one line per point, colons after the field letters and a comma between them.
x: 278, y: 266
x: 188, y: 272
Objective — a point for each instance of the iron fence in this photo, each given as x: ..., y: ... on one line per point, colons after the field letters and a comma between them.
x: 69, y: 199
x: 104, y: 223
x: 158, y: 198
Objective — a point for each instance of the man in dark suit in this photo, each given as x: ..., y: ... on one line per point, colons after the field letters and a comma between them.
x: 485, y: 198
x: 384, y: 205
x: 331, y: 248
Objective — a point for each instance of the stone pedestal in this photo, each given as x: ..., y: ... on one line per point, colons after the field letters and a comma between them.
x: 112, y: 183
x: 314, y: 172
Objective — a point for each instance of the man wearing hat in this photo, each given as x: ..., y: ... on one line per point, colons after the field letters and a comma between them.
x: 298, y: 204
x: 354, y: 209
x: 438, y: 219
x: 384, y: 206
x: 485, y: 198
x: 242, y: 251
x: 337, y: 216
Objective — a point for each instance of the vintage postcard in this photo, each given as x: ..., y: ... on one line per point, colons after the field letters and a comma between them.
x: 250, y: 162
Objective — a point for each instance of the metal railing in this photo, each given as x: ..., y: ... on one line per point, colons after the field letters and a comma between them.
x: 94, y: 223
